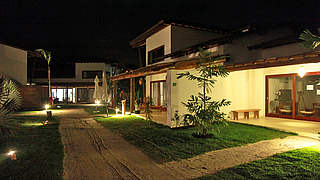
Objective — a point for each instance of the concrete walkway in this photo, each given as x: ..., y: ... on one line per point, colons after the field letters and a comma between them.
x: 303, y: 128
x: 211, y: 162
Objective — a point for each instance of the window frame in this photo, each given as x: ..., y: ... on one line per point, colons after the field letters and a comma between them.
x: 157, y: 58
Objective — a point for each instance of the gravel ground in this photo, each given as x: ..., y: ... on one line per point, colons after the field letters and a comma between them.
x: 94, y: 152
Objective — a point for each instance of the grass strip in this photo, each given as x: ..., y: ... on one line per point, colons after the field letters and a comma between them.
x: 38, y: 148
x: 164, y: 144
x: 296, y: 164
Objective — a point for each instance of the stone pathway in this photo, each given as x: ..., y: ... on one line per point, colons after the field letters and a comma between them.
x: 211, y: 162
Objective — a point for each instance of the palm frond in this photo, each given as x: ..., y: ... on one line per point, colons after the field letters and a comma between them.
x: 10, y: 96
x: 310, y: 40
x: 45, y: 54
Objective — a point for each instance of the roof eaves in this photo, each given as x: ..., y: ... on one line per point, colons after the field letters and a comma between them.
x: 140, y: 40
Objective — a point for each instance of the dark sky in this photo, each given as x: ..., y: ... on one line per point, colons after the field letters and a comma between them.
x: 82, y: 29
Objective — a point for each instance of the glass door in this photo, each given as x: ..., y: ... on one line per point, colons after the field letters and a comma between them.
x: 159, y: 93
x: 280, y: 96
x: 155, y: 94
x: 308, y: 97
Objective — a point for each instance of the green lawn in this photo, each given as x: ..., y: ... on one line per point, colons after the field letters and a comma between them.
x: 39, y: 150
x: 297, y: 164
x: 98, y: 110
x: 164, y: 144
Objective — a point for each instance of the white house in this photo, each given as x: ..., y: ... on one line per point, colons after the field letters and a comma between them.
x: 80, y: 88
x: 263, y: 65
x: 13, y: 63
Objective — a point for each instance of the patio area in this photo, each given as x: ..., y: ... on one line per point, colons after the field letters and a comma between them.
x: 303, y: 128
x: 158, y: 116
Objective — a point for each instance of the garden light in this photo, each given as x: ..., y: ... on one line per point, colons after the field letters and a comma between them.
x: 45, y: 123
x: 46, y: 106
x: 117, y: 110
x: 12, y: 155
x: 97, y: 102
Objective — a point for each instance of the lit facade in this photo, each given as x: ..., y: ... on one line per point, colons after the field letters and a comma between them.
x: 263, y: 67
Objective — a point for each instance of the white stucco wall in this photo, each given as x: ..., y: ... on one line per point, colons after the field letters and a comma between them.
x: 13, y: 63
x: 156, y: 77
x: 90, y: 67
x: 161, y: 38
x: 245, y: 89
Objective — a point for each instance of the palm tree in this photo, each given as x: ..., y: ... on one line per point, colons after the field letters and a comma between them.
x: 47, y: 56
x: 311, y: 40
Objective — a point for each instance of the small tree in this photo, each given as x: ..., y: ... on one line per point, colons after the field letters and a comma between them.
x: 311, y: 40
x: 148, y: 109
x: 203, y: 111
x: 47, y: 56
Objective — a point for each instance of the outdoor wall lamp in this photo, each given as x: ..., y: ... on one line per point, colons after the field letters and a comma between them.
x: 301, y: 72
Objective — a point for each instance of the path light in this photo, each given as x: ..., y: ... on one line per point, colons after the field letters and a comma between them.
x: 301, y: 72
x: 47, y: 106
x: 12, y: 155
x: 97, y: 102
x: 123, y: 107
x: 117, y: 110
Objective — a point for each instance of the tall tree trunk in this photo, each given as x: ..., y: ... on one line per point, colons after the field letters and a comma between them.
x: 49, y: 82
x: 204, y: 94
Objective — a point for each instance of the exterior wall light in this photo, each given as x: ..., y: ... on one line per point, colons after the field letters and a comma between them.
x: 301, y: 72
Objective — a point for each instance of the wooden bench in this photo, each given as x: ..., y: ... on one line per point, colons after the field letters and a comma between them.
x: 246, y: 113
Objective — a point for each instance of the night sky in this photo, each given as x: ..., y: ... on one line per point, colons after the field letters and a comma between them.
x: 83, y: 29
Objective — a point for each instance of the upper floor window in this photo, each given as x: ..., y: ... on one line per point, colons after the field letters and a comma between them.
x: 91, y: 74
x: 155, y: 55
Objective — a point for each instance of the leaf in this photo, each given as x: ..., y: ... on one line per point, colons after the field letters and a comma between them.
x: 10, y: 97
x: 311, y: 40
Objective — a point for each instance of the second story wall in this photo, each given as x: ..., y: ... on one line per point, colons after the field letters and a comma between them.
x: 182, y: 37
x: 84, y: 70
x: 13, y: 63
x: 284, y: 50
x: 161, y: 38
x: 266, y: 45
